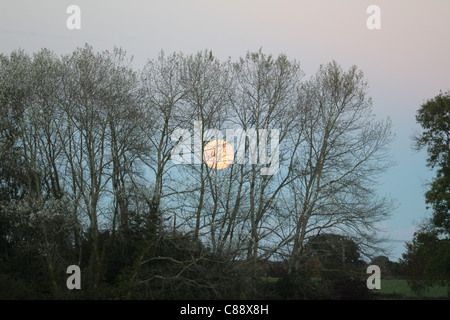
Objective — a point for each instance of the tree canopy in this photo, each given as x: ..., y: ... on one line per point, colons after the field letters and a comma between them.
x: 434, y: 117
x: 426, y: 260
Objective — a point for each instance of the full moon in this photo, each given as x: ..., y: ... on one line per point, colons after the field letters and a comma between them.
x: 218, y: 154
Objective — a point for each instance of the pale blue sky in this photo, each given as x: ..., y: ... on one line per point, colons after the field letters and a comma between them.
x: 405, y: 62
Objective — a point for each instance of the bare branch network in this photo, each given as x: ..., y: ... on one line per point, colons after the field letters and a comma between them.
x: 86, y: 144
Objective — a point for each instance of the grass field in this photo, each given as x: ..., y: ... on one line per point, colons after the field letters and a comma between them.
x: 400, y: 289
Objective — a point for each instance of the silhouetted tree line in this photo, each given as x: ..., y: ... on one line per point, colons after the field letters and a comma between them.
x: 86, y: 177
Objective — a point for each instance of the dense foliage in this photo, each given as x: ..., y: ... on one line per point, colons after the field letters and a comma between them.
x: 427, y: 259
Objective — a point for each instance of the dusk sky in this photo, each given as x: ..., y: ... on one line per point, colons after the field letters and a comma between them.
x: 406, y: 62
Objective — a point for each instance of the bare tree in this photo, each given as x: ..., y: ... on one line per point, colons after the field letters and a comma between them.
x: 162, y: 93
x: 266, y: 99
x: 206, y: 82
x: 343, y: 151
x: 99, y: 136
x: 43, y: 212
